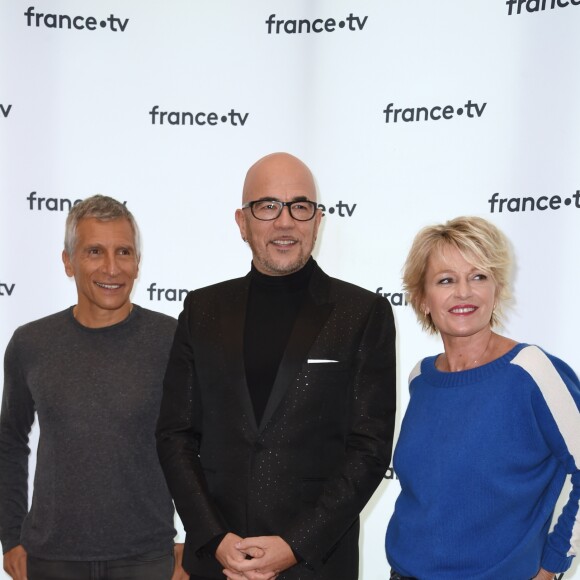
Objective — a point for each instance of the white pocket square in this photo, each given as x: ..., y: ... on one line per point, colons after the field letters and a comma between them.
x: 321, y: 360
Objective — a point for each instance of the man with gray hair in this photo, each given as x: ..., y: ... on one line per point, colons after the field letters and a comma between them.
x: 93, y: 374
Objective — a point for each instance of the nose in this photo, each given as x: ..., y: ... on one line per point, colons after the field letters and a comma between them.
x: 285, y: 220
x: 110, y: 266
x: 463, y: 288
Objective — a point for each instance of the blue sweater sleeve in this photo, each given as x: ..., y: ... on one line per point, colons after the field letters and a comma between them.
x: 556, y: 404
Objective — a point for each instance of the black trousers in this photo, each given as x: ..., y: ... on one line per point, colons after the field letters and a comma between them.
x: 156, y: 565
x: 396, y: 576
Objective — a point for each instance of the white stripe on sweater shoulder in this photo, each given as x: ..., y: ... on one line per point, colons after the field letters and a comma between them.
x: 559, y: 400
x: 416, y: 371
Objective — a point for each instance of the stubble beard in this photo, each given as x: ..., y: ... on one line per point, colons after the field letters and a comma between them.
x: 282, y: 269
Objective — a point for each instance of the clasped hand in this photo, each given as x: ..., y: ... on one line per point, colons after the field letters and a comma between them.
x: 259, y: 558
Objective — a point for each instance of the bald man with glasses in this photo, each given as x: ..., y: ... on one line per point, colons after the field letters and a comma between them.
x: 278, y: 411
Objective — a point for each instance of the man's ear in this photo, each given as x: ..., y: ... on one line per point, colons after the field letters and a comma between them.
x: 317, y: 219
x: 68, y: 267
x: 241, y: 221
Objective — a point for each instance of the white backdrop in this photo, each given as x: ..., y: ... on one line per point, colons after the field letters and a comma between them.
x: 81, y: 112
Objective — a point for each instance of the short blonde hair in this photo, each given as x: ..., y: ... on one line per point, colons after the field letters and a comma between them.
x: 478, y: 241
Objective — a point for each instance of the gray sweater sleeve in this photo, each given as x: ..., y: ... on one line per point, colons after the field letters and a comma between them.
x: 15, y: 423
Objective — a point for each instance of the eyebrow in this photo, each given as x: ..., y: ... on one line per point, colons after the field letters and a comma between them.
x: 451, y: 271
x: 101, y: 245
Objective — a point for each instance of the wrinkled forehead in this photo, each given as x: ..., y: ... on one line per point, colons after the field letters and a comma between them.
x: 105, y: 231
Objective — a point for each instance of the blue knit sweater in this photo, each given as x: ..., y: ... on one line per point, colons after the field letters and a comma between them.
x: 481, y: 458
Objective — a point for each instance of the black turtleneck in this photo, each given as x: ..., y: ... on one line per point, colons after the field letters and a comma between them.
x: 273, y: 306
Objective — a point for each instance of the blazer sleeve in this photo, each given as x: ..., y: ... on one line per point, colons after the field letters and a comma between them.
x: 178, y: 441
x: 369, y: 443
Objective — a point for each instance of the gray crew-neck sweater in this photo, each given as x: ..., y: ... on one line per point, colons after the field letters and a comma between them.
x: 99, y: 492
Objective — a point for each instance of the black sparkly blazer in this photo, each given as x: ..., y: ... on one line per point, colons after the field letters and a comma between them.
x: 323, y: 444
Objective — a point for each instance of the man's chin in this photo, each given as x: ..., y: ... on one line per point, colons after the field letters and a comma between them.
x: 281, y: 267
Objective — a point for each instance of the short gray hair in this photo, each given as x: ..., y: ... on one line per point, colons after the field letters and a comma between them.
x: 102, y: 208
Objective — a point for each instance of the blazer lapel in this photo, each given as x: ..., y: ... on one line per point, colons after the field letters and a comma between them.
x: 233, y: 319
x: 312, y: 317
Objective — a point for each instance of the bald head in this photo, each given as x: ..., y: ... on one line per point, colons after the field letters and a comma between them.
x: 278, y: 174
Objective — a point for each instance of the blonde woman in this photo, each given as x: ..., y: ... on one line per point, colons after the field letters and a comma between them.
x: 491, y: 430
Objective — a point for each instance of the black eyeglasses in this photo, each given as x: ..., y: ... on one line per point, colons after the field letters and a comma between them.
x: 269, y: 209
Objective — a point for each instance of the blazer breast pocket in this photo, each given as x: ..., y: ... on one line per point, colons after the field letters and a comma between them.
x: 326, y: 365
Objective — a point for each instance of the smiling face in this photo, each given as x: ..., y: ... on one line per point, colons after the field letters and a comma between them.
x: 459, y: 297
x: 104, y: 265
x: 281, y: 246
